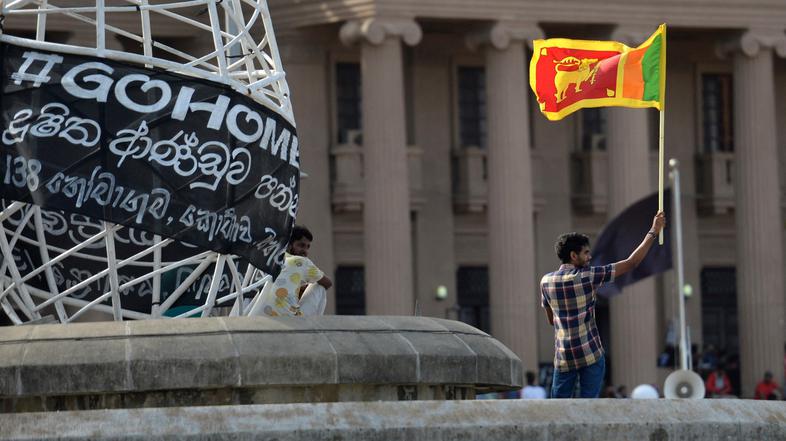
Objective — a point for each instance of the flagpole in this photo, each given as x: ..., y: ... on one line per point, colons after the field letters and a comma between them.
x: 675, y: 176
x: 660, y: 165
x: 662, y: 128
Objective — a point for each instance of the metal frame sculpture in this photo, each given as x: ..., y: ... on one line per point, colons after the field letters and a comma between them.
x: 134, y: 262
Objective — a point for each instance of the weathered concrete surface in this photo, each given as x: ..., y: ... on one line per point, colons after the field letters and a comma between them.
x: 531, y: 420
x: 247, y: 360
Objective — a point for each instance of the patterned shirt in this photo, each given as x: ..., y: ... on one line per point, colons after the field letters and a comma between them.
x: 282, y: 300
x: 570, y: 292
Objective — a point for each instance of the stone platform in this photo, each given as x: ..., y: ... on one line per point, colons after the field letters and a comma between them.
x: 246, y: 361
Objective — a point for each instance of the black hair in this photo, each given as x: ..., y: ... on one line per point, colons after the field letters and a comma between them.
x: 530, y: 378
x: 569, y: 242
x: 299, y: 232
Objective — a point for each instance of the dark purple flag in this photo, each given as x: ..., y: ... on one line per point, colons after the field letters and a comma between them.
x: 624, y: 233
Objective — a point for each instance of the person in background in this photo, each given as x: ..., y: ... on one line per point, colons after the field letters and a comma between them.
x: 708, y: 361
x: 718, y: 384
x: 532, y: 390
x: 609, y: 392
x: 767, y: 389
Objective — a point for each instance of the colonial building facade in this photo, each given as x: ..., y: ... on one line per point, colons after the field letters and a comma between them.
x: 431, y: 171
x: 430, y: 166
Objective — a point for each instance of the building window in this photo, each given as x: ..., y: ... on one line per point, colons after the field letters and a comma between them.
x: 348, y: 100
x: 350, y: 290
x: 717, y: 116
x: 409, y: 93
x: 472, y: 106
x: 593, y: 130
x: 472, y: 283
x: 719, y: 323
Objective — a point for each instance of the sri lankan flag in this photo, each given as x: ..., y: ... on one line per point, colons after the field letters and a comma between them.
x: 567, y: 75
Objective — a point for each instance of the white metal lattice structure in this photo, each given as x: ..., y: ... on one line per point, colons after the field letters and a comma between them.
x: 120, y: 275
x: 249, y: 65
x: 236, y: 58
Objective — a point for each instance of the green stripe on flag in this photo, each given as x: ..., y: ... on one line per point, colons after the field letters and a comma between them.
x: 650, y: 69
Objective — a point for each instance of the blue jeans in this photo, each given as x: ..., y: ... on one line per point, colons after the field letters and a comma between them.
x: 590, y: 379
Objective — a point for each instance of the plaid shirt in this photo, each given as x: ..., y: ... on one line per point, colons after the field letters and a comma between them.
x: 570, y: 292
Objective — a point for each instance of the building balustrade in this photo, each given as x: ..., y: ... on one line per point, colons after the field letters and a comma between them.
x: 589, y: 184
x: 470, y: 187
x: 347, y: 174
x: 589, y: 181
x: 470, y: 180
x: 715, y: 182
x: 539, y: 181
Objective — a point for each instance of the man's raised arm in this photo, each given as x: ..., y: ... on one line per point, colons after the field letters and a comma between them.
x: 623, y: 266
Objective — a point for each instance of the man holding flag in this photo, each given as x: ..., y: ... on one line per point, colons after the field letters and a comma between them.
x: 569, y: 295
x: 568, y: 75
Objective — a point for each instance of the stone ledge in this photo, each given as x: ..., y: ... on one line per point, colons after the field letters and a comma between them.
x: 114, y: 365
x: 532, y: 420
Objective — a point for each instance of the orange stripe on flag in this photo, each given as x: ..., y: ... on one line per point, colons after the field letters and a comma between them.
x: 633, y: 79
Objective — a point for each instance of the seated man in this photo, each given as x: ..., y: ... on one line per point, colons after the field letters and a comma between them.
x: 283, y: 298
x: 767, y: 389
x: 718, y: 384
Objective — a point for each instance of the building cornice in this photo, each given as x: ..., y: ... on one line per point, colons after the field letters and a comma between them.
x: 502, y: 33
x: 751, y: 42
x: 632, y: 36
x: 732, y: 14
x: 376, y: 30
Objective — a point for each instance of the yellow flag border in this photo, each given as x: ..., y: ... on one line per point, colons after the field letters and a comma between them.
x: 598, y: 102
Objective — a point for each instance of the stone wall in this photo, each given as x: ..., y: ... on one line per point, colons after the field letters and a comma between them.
x: 531, y: 420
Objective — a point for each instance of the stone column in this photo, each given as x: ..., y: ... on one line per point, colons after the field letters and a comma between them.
x: 435, y: 249
x: 758, y: 214
x: 512, y: 281
x: 634, y: 332
x: 386, y: 209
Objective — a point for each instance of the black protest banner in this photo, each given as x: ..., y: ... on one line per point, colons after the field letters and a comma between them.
x: 181, y: 157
